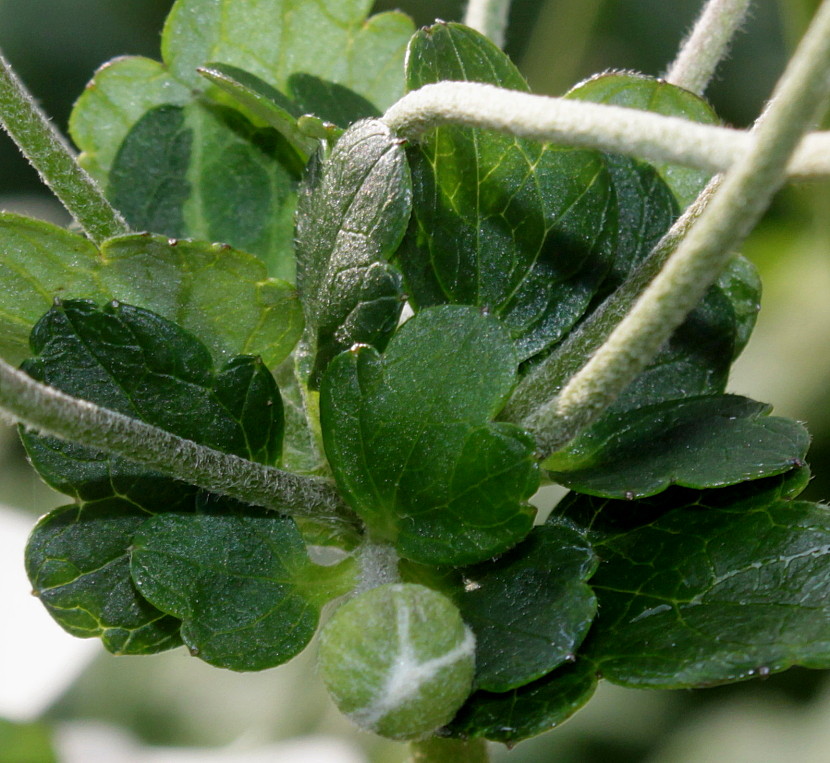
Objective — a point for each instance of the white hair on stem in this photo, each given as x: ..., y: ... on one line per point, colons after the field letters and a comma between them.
x: 707, y: 44
x: 51, y: 412
x: 655, y: 137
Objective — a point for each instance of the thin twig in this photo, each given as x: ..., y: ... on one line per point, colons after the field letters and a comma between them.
x: 51, y: 155
x: 489, y: 17
x: 707, y: 44
x: 655, y: 137
x: 52, y: 412
x: 797, y: 103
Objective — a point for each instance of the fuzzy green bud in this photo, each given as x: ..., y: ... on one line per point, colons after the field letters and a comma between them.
x: 398, y: 660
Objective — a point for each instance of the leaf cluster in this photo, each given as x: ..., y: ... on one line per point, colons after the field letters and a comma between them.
x: 680, y: 558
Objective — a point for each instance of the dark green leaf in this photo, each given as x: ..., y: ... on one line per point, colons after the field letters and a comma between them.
x: 206, y: 172
x: 522, y: 713
x: 699, y: 442
x: 524, y: 230
x: 602, y: 517
x: 648, y: 94
x: 531, y: 232
x: 353, y: 211
x: 411, y: 443
x: 712, y: 594
x: 78, y: 563
x: 531, y: 608
x: 135, y: 362
x: 239, y: 578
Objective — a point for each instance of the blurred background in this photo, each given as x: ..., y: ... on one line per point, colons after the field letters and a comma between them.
x: 65, y: 700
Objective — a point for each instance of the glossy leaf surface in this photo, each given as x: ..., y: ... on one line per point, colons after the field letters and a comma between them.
x: 410, y: 438
x: 353, y: 212
x: 713, y: 594
x: 512, y: 716
x: 531, y: 608
x: 78, y: 563
x: 701, y: 442
x: 527, y: 231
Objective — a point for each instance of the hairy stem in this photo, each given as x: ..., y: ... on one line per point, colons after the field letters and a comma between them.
x: 655, y: 137
x: 489, y: 17
x: 437, y: 750
x: 707, y: 44
x: 52, y: 412
x: 50, y: 154
x: 797, y: 103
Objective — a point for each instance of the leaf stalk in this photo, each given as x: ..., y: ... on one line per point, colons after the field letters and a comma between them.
x: 52, y: 412
x: 654, y: 137
x: 707, y: 44
x: 798, y: 102
x: 50, y: 154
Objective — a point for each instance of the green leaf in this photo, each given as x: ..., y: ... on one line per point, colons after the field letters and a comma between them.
x: 277, y: 39
x: 239, y: 578
x: 38, y: 262
x: 519, y: 714
x: 530, y: 609
x: 411, y: 442
x: 78, y: 563
x: 353, y: 212
x: 262, y: 101
x: 741, y: 284
x: 527, y: 231
x: 699, y: 442
x: 709, y: 594
x: 180, y: 280
x: 192, y: 283
x: 500, y: 222
x: 204, y: 171
x: 637, y: 91
x: 231, y: 182
x: 135, y: 362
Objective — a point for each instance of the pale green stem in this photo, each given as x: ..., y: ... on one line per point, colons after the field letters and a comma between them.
x: 797, y: 103
x: 378, y: 565
x: 489, y: 17
x: 438, y: 750
x: 48, y: 411
x: 655, y: 137
x: 52, y: 157
x: 707, y: 44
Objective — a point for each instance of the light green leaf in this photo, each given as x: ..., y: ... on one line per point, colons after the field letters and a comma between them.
x: 353, y: 212
x: 39, y: 262
x: 231, y: 182
x: 411, y: 442
x: 240, y: 579
x: 184, y: 281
